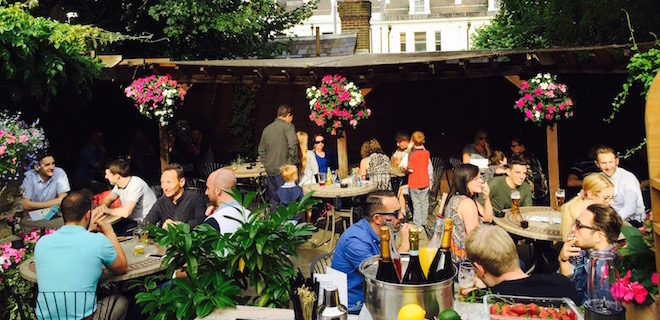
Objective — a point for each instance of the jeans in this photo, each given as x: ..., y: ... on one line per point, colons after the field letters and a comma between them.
x: 420, y: 201
x: 274, y: 183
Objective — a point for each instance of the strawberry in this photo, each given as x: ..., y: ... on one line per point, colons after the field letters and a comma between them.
x: 518, y: 308
x: 532, y: 309
x: 494, y: 309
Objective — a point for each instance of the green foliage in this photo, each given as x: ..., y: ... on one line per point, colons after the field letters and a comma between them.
x: 217, y: 265
x: 524, y: 24
x: 242, y: 119
x: 225, y: 29
x: 13, y: 286
x: 638, y: 257
x: 41, y: 58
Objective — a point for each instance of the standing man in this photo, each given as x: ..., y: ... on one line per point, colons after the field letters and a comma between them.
x: 627, y: 201
x: 45, y: 185
x: 176, y: 205
x: 135, y: 195
x: 278, y: 146
x: 218, y: 185
x: 501, y: 186
x: 68, y: 263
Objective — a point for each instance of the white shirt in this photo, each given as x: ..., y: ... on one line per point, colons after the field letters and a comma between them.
x: 311, y: 168
x: 139, y: 192
x: 627, y: 201
x: 229, y: 209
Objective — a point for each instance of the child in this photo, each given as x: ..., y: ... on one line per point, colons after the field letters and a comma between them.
x: 289, y: 191
x: 418, y: 180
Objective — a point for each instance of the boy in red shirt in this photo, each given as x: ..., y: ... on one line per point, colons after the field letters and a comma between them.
x: 418, y: 180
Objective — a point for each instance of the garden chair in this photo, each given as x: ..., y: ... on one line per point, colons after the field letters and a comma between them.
x: 59, y: 304
x: 320, y: 262
x: 336, y: 215
x: 209, y: 167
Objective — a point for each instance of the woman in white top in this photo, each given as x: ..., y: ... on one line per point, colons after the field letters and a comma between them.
x: 308, y: 166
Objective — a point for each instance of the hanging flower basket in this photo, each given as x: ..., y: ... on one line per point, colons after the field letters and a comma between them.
x: 336, y: 104
x: 543, y: 100
x: 156, y: 97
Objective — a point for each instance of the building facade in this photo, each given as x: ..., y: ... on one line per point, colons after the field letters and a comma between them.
x: 397, y: 26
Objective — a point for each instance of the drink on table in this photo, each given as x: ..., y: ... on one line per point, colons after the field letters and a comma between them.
x: 138, y: 250
x: 465, y: 277
x: 144, y: 236
x: 442, y: 267
x: 427, y: 252
x: 515, y: 203
x: 322, y: 178
x: 560, y: 194
x: 414, y: 273
x: 328, y: 178
x: 386, y: 270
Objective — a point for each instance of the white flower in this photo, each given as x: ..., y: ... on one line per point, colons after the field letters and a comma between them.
x: 312, y: 102
x: 352, y: 103
x: 169, y: 102
x: 537, y: 114
x: 544, y: 85
x: 547, y: 76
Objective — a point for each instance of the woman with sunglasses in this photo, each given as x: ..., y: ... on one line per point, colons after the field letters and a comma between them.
x: 479, y: 149
x: 596, y: 188
x: 308, y: 165
x: 325, y: 158
x: 464, y: 209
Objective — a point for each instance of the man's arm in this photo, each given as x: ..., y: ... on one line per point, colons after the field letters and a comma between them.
x: 35, y: 205
x: 124, y: 211
x: 526, y: 196
x: 120, y: 265
x: 629, y: 204
x: 262, y: 149
x: 198, y: 210
x: 573, y: 180
x: 292, y: 143
x: 109, y: 199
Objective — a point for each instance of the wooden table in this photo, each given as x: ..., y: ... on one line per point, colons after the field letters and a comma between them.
x: 27, y: 224
x: 247, y: 170
x: 335, y: 191
x: 539, y: 219
x: 138, y: 266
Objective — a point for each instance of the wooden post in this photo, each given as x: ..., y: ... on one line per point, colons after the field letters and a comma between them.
x: 342, y: 155
x: 553, y: 163
x: 652, y: 116
x: 163, y: 142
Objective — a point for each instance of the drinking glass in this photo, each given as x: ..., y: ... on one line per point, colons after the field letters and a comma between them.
x: 560, y: 194
x: 322, y: 178
x: 136, y: 235
x: 515, y: 202
x: 465, y: 275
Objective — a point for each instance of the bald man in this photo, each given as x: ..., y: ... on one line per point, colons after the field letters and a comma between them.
x: 223, y: 205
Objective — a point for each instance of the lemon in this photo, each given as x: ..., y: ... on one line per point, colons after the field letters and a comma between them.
x: 411, y: 312
x: 448, y: 314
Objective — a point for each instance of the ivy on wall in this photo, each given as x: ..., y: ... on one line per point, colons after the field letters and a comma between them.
x: 242, y: 120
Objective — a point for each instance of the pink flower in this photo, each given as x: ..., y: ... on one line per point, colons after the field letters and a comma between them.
x: 11, y: 139
x: 552, y: 86
x: 49, y: 231
x: 353, y: 123
x: 569, y: 102
x: 550, y: 94
x: 368, y: 112
x: 360, y: 113
x: 528, y: 114
x: 528, y: 97
x: 654, y: 278
x: 333, y: 132
x: 551, y: 109
x: 2, y: 133
x: 3, y: 149
x: 548, y: 116
x: 320, y: 122
x: 562, y: 88
x: 312, y: 116
x: 324, y: 90
x: 22, y: 139
x: 524, y: 85
x: 561, y: 107
x: 538, y: 92
x: 520, y: 103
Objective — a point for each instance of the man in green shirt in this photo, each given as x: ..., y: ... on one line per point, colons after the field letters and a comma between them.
x: 501, y: 187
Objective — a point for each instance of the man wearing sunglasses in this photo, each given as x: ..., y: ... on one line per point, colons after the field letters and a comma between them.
x: 596, y: 228
x: 362, y: 241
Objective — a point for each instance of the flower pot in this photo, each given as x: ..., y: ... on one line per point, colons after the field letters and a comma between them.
x: 646, y: 311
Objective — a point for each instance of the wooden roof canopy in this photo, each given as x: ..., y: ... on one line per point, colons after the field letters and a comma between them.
x: 370, y: 69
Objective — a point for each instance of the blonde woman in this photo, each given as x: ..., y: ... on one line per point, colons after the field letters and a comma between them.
x: 308, y: 166
x: 596, y: 188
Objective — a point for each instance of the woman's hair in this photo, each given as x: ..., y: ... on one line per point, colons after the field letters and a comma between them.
x: 596, y: 183
x: 496, y: 157
x: 462, y: 175
x: 370, y: 146
x: 302, y: 145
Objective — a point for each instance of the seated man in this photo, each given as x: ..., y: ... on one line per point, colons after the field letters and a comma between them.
x: 223, y: 205
x: 628, y: 201
x: 535, y: 176
x: 176, y: 205
x: 596, y: 228
x: 69, y: 261
x: 361, y: 241
x: 501, y: 186
x: 496, y: 263
x: 45, y: 185
x: 134, y: 194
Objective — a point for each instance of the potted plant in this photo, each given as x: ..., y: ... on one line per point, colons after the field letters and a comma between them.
x: 636, y: 278
x: 544, y: 100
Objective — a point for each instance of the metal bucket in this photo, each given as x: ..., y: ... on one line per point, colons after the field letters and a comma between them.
x: 384, y: 299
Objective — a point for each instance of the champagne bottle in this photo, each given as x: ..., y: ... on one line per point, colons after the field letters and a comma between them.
x: 394, y: 253
x: 427, y: 252
x: 414, y: 273
x: 386, y: 270
x: 442, y: 267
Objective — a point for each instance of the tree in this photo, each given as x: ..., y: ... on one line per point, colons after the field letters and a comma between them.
x: 549, y: 23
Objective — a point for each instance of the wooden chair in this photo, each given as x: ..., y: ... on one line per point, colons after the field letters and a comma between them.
x: 336, y: 215
x: 320, y: 262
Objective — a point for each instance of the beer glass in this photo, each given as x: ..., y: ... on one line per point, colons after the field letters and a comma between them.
x: 560, y: 194
x: 465, y: 277
x: 515, y: 203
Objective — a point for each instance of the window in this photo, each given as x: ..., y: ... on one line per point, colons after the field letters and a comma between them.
x: 438, y: 41
x: 420, y: 41
x: 458, y: 2
x: 418, y: 7
x: 402, y: 37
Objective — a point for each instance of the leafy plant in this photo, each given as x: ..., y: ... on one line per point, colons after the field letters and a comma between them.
x: 219, y: 265
x: 242, y: 119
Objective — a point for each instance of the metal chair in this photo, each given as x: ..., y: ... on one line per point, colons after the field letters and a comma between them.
x: 336, y: 215
x: 73, y: 304
x: 209, y: 167
x: 320, y: 262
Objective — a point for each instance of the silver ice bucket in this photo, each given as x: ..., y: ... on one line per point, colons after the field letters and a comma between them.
x: 384, y: 299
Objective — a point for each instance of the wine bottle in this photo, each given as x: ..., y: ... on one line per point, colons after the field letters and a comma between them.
x: 442, y: 267
x: 414, y: 273
x: 427, y: 252
x: 386, y: 270
x: 394, y: 253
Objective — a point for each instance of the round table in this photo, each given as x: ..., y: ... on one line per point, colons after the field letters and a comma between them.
x: 335, y: 191
x: 544, y: 223
x: 247, y: 170
x: 138, y: 266
x: 27, y: 224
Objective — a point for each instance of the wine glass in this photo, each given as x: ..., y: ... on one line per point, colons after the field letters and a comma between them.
x: 465, y: 276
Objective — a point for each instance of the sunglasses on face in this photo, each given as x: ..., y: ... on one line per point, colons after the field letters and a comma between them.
x: 483, y: 138
x: 579, y: 225
x: 394, y: 214
x: 514, y: 145
x: 317, y: 142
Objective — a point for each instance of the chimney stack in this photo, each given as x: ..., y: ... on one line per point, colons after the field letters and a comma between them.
x: 355, y: 16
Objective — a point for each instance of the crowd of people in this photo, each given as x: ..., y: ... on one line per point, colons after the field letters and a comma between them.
x: 480, y: 186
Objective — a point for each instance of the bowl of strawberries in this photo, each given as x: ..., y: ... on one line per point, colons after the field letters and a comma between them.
x: 503, y: 307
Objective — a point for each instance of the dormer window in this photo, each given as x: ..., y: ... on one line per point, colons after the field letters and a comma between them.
x: 419, y: 7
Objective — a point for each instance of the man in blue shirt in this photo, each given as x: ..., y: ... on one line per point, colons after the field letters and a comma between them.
x: 361, y: 241
x: 69, y: 261
x: 45, y: 185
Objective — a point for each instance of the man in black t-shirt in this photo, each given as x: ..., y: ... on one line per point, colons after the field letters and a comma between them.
x: 496, y: 263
